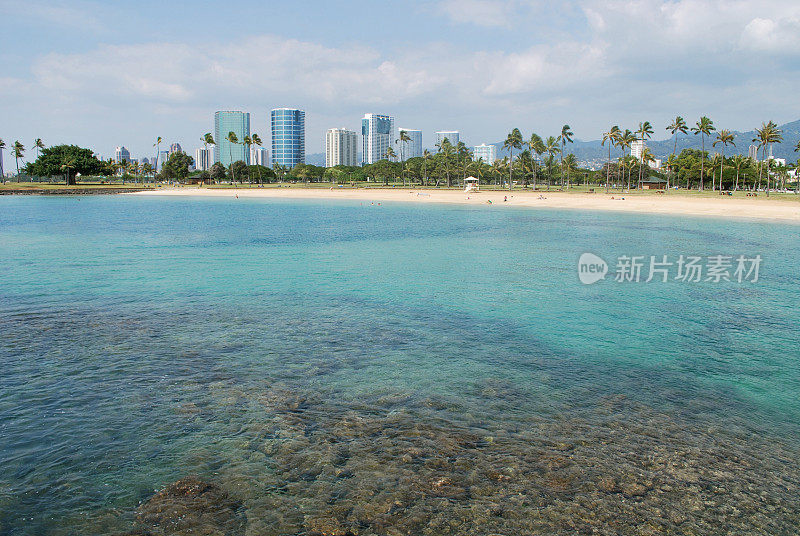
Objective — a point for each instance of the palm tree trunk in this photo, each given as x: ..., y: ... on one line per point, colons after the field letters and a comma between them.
x: 702, y: 160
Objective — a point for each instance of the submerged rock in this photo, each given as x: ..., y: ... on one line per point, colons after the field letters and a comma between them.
x: 190, y: 506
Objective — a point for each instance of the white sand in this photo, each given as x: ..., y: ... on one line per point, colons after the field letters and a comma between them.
x: 760, y: 208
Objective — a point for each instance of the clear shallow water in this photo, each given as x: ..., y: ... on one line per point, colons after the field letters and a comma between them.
x: 328, y: 368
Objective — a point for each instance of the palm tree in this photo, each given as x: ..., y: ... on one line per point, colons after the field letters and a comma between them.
x: 19, y: 151
x: 536, y: 146
x: 678, y: 126
x: 552, y: 148
x: 38, y: 144
x: 725, y: 138
x: 768, y: 134
x: 513, y: 141
x: 67, y: 163
x: 647, y: 157
x: 704, y: 127
x: 157, y: 145
x: 446, y: 151
x: 564, y: 138
x: 612, y: 137
x: 247, y: 142
x: 233, y: 139
x: 626, y: 142
x: 570, y: 165
x: 2, y: 171
x: 645, y: 132
x: 256, y: 139
x: 672, y: 164
x: 739, y: 162
x: 426, y: 155
x: 403, y: 141
x: 796, y: 168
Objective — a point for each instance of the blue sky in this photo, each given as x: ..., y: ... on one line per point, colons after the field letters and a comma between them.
x: 102, y: 74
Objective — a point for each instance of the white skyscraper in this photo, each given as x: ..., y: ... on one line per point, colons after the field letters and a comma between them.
x: 637, y: 149
x: 121, y: 154
x: 487, y: 152
x: 377, y: 132
x: 203, y: 159
x: 753, y: 152
x: 341, y: 147
x: 413, y: 147
x: 451, y: 135
x: 259, y: 156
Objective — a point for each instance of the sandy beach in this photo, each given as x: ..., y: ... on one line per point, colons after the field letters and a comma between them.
x: 760, y: 208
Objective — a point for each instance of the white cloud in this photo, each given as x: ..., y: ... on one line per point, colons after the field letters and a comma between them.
x: 780, y: 36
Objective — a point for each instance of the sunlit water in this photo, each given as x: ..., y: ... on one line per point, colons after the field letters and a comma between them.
x: 335, y: 368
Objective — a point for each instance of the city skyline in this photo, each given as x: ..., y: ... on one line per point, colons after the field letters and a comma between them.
x: 586, y: 65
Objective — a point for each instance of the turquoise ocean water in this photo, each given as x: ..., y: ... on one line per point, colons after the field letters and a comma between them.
x: 354, y: 368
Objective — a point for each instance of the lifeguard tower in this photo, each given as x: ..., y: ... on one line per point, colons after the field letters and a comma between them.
x: 471, y: 184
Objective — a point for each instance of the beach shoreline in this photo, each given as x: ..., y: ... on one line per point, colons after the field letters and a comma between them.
x: 736, y: 208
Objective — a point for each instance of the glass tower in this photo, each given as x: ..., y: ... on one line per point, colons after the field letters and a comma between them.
x: 288, y: 137
x: 377, y: 135
x: 451, y: 135
x: 413, y: 147
x: 226, y: 152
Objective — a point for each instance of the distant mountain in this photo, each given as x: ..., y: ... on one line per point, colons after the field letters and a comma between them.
x: 315, y: 159
x: 594, y: 151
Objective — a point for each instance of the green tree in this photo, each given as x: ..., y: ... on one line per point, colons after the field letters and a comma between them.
x: 426, y: 157
x: 645, y: 132
x: 403, y: 140
x: 52, y: 158
x: 256, y: 140
x: 217, y: 171
x: 234, y: 140
x: 157, y: 145
x: 38, y: 145
x: 612, y: 137
x: 564, y: 138
x: 536, y: 146
x: 724, y: 138
x: 768, y: 134
x: 19, y: 151
x: 678, y: 126
x: 704, y: 127
x: 67, y: 164
x: 513, y: 141
x: 444, y: 159
x: 177, y: 166
x: 2, y: 171
x: 739, y: 162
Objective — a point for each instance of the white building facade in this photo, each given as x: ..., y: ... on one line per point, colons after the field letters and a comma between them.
x: 341, y: 147
x: 259, y: 156
x: 487, y: 152
x: 121, y: 154
x: 413, y: 147
x: 377, y: 135
x: 637, y: 149
x: 203, y: 159
x: 452, y: 136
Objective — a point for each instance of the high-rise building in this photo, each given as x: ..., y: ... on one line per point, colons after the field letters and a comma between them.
x: 121, y: 154
x: 203, y: 159
x: 259, y: 156
x: 637, y: 149
x: 413, y: 147
x: 377, y: 135
x: 487, y: 152
x: 226, y: 152
x: 451, y: 135
x: 175, y: 148
x: 144, y: 160
x: 163, y: 156
x: 753, y: 152
x: 288, y: 137
x: 341, y: 147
